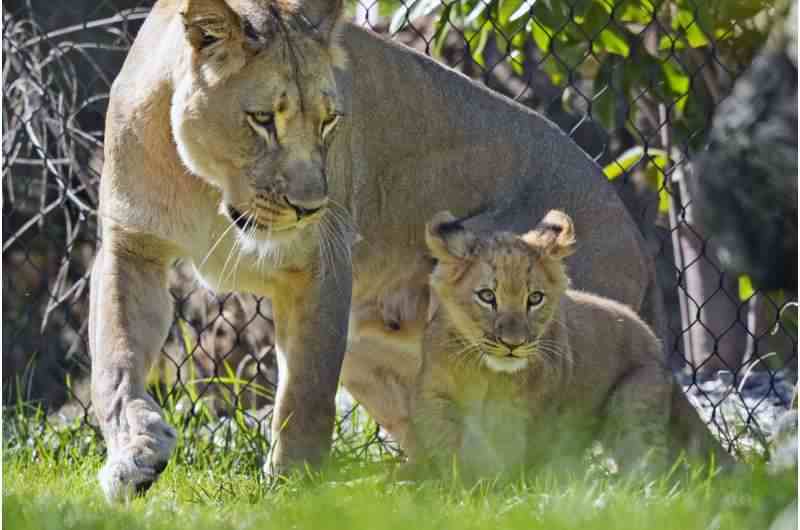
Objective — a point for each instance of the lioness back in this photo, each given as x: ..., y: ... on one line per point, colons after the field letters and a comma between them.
x: 519, y: 369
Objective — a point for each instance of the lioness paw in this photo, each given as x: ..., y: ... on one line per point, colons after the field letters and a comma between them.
x: 130, y: 472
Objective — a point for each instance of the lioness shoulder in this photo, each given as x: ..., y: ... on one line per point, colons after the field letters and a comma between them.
x: 519, y: 369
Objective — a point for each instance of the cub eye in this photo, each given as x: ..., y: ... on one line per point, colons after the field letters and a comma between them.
x: 329, y: 124
x: 263, y: 118
x: 486, y: 296
x: 535, y: 298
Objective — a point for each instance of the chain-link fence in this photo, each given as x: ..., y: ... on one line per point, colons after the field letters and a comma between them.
x: 633, y: 82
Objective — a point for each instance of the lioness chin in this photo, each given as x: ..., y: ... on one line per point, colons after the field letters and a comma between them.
x: 518, y: 369
x: 238, y: 138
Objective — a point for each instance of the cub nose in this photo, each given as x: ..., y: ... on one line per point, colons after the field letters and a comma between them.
x: 305, y: 208
x: 511, y: 342
x: 511, y: 331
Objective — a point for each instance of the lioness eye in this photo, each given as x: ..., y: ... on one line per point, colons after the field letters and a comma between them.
x: 262, y: 118
x: 207, y: 40
x: 535, y: 298
x: 250, y: 31
x: 486, y: 296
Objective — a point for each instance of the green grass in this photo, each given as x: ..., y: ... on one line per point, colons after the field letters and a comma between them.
x: 49, y: 482
x: 49, y: 495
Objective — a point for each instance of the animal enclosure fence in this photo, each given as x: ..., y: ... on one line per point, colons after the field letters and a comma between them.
x: 633, y: 82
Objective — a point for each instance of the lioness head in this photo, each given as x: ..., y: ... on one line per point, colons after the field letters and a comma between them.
x: 501, y: 293
x: 255, y: 107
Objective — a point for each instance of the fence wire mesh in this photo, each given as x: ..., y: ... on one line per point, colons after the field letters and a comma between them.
x: 633, y: 82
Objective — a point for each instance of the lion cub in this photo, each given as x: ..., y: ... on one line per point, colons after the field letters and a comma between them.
x: 518, y: 369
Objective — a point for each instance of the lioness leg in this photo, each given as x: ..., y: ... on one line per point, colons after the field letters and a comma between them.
x: 385, y: 351
x: 311, y: 315
x: 130, y: 314
x: 381, y: 387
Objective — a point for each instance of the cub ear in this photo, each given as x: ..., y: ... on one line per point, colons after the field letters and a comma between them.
x: 207, y: 22
x: 447, y: 239
x: 554, y: 236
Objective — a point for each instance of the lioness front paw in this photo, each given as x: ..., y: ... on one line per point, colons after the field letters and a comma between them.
x: 131, y: 471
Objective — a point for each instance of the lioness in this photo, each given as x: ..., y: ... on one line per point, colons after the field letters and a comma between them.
x: 238, y: 138
x: 517, y: 368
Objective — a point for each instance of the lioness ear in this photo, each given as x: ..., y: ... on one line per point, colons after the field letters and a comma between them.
x: 447, y: 239
x: 323, y: 15
x: 208, y: 21
x: 554, y: 235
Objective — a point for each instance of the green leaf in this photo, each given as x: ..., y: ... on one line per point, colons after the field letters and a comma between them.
x: 685, y: 21
x: 581, y: 8
x: 678, y: 82
x: 657, y: 161
x: 746, y: 289
x: 631, y: 157
x: 633, y: 11
x: 387, y: 8
x: 555, y: 70
x: 656, y: 179
x: 542, y: 35
x: 611, y: 40
x: 664, y: 197
x: 571, y: 55
x: 556, y: 23
x: 521, y: 10
x: 738, y: 10
x: 696, y: 36
x: 520, y: 35
x: 669, y: 42
x: 476, y: 12
x: 478, y: 47
x: 443, y: 27
x: 606, y: 5
x: 517, y: 62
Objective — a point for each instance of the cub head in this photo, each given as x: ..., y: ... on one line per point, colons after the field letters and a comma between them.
x: 255, y: 107
x: 501, y: 293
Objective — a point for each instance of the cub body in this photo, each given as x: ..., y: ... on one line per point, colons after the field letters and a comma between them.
x: 519, y: 369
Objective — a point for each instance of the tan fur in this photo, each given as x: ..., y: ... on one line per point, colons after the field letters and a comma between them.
x: 514, y: 383
x: 183, y: 152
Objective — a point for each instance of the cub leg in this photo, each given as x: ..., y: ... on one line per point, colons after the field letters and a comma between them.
x: 311, y: 315
x: 637, y: 419
x: 129, y: 317
x: 436, y: 423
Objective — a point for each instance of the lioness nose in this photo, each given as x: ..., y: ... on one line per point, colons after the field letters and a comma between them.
x: 305, y: 208
x: 307, y: 185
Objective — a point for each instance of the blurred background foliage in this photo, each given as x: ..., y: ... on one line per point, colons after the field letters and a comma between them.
x: 648, y: 52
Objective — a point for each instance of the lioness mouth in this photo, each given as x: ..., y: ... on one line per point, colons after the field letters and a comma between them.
x: 245, y: 222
